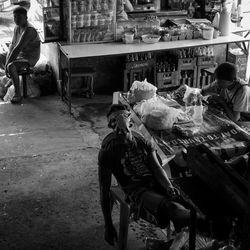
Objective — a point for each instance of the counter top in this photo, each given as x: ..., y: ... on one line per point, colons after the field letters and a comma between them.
x: 117, y: 48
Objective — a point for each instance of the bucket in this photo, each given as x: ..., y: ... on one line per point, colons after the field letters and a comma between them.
x: 207, y: 33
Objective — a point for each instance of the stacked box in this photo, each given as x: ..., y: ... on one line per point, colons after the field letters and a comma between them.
x: 238, y: 58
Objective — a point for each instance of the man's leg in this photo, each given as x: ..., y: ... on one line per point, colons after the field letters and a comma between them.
x: 164, y: 209
x: 13, y: 69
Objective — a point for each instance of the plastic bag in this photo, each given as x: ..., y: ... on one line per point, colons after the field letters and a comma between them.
x: 10, y: 94
x: 143, y: 90
x: 191, y: 95
x: 157, y: 115
x: 3, y: 89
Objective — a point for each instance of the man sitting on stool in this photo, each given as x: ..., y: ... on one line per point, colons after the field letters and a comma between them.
x: 24, y: 50
x: 134, y: 163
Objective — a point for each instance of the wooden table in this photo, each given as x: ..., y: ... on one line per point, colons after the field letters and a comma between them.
x: 69, y: 53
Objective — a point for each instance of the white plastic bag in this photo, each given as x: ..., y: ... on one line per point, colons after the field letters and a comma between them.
x: 191, y: 95
x: 143, y: 90
x: 156, y: 114
x: 10, y: 94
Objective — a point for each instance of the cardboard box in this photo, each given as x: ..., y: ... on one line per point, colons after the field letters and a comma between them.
x: 237, y: 57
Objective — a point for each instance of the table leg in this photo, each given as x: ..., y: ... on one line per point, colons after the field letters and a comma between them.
x: 192, y: 233
x: 69, y: 85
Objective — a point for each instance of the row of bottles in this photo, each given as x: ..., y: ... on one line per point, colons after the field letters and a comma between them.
x: 92, y: 5
x: 165, y: 66
x: 187, y: 77
x: 138, y: 57
x: 222, y: 20
x: 185, y: 53
x: 204, y: 51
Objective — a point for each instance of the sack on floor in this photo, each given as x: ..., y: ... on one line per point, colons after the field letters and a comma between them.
x: 44, y: 79
x: 33, y: 89
x: 10, y: 94
x: 3, y: 89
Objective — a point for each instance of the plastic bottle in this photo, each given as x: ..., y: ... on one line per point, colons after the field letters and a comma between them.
x: 234, y: 12
x: 225, y: 21
x: 198, y: 110
x: 190, y: 11
x: 216, y: 20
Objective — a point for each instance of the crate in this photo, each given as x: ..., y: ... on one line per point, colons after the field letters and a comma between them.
x: 167, y: 79
x: 205, y: 60
x: 190, y: 81
x: 203, y: 80
x: 240, y: 60
x: 186, y: 63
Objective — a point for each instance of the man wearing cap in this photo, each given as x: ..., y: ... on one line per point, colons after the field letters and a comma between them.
x: 134, y: 163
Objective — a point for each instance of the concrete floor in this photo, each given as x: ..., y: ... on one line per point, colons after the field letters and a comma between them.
x: 48, y: 177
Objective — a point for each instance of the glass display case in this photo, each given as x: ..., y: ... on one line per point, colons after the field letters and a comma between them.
x: 91, y: 21
x: 52, y: 28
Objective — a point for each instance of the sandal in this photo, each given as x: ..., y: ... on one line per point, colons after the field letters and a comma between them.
x: 16, y: 99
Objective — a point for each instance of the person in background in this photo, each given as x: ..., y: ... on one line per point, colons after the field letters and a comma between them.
x: 121, y: 8
x: 24, y: 50
x: 134, y: 163
x: 229, y: 92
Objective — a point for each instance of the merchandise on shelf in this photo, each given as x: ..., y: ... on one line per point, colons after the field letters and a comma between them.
x: 91, y: 21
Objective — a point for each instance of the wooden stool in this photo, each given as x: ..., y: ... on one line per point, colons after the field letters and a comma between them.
x: 23, y: 73
x: 84, y: 72
x: 78, y: 72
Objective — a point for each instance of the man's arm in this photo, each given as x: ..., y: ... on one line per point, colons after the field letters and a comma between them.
x: 211, y: 89
x: 159, y: 173
x: 13, y: 42
x: 105, y: 175
x: 28, y: 35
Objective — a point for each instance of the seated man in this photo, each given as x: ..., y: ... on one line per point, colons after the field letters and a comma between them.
x: 229, y: 92
x: 23, y: 51
x: 134, y: 163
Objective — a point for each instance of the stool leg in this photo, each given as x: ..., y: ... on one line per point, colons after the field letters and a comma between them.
x: 24, y: 86
x: 123, y: 230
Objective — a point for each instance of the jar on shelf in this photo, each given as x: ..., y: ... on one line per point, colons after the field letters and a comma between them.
x: 82, y: 7
x: 73, y: 18
x: 74, y: 8
x: 101, y: 20
x: 87, y: 19
x: 89, y: 5
x: 94, y: 19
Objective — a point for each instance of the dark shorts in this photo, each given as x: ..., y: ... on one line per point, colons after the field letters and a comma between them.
x: 148, y: 199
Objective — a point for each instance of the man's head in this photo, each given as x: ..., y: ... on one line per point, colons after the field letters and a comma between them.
x: 226, y: 74
x: 119, y: 120
x: 20, y: 16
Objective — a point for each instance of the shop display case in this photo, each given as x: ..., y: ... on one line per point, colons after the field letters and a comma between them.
x: 52, y: 28
x: 90, y: 21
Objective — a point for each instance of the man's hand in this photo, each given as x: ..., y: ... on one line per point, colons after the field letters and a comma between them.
x: 111, y: 235
x: 172, y: 192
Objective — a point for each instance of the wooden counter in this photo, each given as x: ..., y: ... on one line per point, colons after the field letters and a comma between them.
x: 74, y: 51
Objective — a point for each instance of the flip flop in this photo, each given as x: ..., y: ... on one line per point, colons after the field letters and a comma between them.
x: 16, y: 100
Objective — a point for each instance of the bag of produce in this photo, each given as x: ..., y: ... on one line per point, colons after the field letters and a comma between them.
x: 142, y: 90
